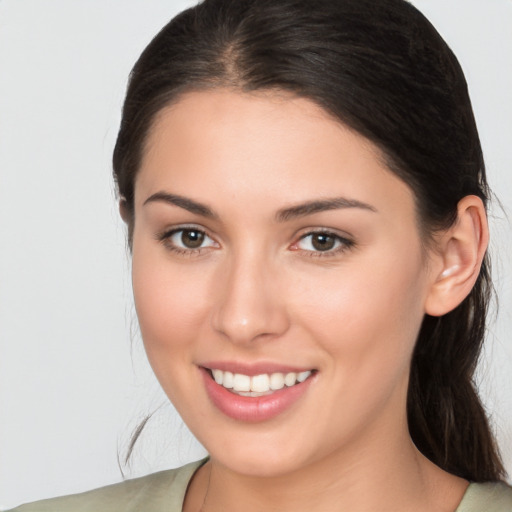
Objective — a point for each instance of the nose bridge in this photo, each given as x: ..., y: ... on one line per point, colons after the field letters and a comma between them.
x: 249, y: 304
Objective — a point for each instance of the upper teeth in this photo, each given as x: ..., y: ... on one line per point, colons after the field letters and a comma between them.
x: 258, y: 383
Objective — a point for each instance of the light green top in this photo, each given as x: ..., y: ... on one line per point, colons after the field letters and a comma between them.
x: 165, y: 492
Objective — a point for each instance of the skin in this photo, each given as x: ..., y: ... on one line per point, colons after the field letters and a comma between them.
x: 258, y: 291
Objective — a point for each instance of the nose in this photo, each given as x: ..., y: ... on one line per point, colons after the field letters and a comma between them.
x: 249, y: 304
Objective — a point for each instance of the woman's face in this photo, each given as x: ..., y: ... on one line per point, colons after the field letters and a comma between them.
x: 273, y: 250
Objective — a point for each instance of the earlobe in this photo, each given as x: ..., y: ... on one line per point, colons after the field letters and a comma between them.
x: 461, y: 252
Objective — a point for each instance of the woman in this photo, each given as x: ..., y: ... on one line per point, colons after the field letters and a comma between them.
x: 305, y: 197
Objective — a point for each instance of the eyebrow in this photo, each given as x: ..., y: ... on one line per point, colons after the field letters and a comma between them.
x: 320, y: 205
x: 283, y: 215
x: 183, y: 202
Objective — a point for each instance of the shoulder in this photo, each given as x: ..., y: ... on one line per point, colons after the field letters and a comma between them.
x: 158, y: 492
x: 487, y: 497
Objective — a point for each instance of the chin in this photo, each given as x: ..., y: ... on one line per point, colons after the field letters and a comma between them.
x: 263, y: 454
x: 259, y: 463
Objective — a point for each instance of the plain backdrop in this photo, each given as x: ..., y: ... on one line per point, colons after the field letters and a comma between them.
x: 74, y: 381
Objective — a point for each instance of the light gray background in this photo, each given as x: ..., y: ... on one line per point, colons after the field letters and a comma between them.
x: 73, y: 378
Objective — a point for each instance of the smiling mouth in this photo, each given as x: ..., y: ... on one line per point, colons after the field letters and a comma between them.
x: 257, y: 385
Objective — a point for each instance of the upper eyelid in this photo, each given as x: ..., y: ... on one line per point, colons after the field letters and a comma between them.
x: 343, y: 239
x: 346, y: 241
x: 164, y: 235
x: 165, y: 238
x: 183, y: 227
x: 328, y: 231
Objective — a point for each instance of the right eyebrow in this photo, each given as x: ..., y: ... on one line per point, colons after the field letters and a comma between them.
x: 182, y: 202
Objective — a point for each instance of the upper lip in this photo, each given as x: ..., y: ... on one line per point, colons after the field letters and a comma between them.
x: 256, y: 368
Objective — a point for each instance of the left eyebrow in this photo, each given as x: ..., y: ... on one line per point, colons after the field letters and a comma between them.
x: 320, y: 205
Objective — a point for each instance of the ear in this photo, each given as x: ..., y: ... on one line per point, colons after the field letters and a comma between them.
x: 123, y: 209
x: 459, y: 257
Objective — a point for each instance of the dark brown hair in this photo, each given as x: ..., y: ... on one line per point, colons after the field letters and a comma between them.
x: 382, y: 69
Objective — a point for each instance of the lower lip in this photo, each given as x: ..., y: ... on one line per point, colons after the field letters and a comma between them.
x: 253, y: 409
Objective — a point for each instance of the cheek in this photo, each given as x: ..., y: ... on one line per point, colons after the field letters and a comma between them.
x: 366, y: 316
x: 171, y: 306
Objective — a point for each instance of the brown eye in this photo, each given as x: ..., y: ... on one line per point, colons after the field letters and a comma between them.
x: 187, y: 240
x: 322, y: 241
x: 192, y: 238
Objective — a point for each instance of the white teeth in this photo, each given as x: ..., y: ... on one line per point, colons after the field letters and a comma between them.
x: 301, y: 377
x: 228, y: 380
x: 241, y: 382
x: 258, y: 384
x: 276, y: 381
x: 290, y: 379
x: 218, y: 375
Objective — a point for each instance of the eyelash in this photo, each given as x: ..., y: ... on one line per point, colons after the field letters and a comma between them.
x: 344, y: 244
x: 166, y: 236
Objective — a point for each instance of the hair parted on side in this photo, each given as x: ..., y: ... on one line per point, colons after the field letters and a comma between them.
x: 383, y: 70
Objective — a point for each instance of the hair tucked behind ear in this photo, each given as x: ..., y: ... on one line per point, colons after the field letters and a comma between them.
x: 446, y: 418
x: 383, y: 70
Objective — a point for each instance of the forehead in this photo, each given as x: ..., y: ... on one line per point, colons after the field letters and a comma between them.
x: 238, y: 145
